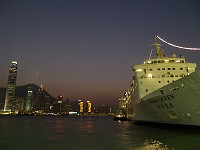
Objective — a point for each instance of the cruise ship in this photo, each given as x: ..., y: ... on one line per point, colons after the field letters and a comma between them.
x: 165, y: 89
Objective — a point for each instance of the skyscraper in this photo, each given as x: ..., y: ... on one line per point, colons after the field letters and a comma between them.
x: 10, y: 93
x: 28, y: 101
x: 41, y: 99
x: 89, y: 106
x: 80, y: 103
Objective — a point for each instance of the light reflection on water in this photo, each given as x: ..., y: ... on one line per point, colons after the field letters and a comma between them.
x: 153, y: 145
x: 89, y: 133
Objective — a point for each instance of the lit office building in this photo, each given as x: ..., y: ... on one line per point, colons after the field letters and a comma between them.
x: 80, y: 103
x: 28, y: 101
x: 10, y: 93
x: 40, y: 100
x: 89, y: 107
x: 60, y: 103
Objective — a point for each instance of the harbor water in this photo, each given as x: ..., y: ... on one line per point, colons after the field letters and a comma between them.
x: 90, y: 133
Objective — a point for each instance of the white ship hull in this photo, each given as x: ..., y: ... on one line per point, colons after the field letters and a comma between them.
x: 175, y: 103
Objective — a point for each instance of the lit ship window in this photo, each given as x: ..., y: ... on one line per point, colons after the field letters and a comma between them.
x: 139, y: 70
x: 166, y: 61
x: 150, y: 75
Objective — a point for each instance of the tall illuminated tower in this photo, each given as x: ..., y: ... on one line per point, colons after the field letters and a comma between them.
x: 80, y: 103
x: 89, y: 106
x: 10, y: 93
x: 28, y: 101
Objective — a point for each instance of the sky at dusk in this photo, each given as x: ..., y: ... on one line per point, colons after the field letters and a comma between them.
x: 84, y: 49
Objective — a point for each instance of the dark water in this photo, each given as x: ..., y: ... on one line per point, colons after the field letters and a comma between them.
x: 90, y: 133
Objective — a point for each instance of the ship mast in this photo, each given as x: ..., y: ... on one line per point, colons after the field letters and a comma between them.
x: 159, y: 50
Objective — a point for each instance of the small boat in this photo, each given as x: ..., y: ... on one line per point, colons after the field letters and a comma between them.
x: 120, y: 116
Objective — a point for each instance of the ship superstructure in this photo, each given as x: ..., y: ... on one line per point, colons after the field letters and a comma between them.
x: 160, y: 71
x: 165, y: 90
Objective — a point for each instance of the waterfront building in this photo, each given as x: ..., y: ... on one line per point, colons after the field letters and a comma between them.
x: 19, y: 104
x: 104, y: 109
x: 89, y: 106
x: 81, y: 106
x: 40, y: 100
x: 28, y: 101
x: 60, y: 103
x: 43, y: 103
x: 10, y: 99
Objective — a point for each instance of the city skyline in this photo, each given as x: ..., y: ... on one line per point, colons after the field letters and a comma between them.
x: 85, y: 49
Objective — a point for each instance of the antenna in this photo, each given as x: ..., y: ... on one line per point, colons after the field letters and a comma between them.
x: 150, y: 54
x: 159, y: 50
